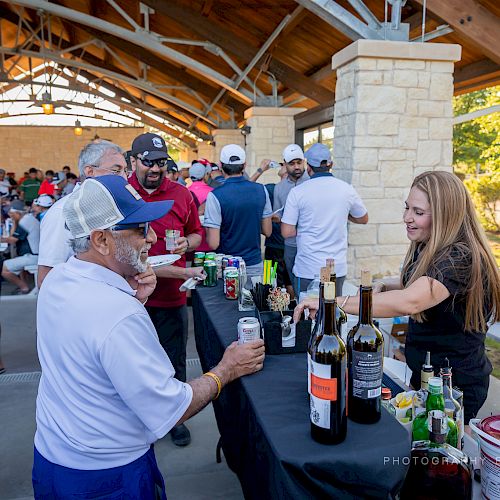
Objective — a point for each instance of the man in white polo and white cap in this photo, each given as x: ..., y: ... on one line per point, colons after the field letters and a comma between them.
x: 41, y: 205
x: 293, y: 160
x: 238, y: 212
x: 317, y: 213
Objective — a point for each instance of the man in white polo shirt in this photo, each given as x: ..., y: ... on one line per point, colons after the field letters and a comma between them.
x: 108, y: 391
x: 96, y: 158
x: 317, y: 212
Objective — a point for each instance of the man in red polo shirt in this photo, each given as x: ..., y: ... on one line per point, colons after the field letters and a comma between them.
x: 167, y: 306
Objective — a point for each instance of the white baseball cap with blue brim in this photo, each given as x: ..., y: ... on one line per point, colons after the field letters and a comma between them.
x: 232, y: 154
x: 102, y: 202
x: 318, y: 154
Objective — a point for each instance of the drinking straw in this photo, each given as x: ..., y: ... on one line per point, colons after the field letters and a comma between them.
x: 275, y: 270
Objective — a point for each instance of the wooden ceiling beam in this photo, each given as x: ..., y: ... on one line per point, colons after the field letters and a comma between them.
x: 241, y: 48
x: 477, y: 70
x: 166, y: 68
x: 95, y: 61
x: 472, y: 22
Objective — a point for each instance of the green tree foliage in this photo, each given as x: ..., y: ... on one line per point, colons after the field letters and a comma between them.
x: 477, y: 142
x: 476, y: 148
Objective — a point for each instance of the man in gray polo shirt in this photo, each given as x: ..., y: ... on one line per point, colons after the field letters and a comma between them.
x: 293, y: 159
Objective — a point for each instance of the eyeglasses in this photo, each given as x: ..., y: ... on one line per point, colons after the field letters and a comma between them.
x: 112, y: 171
x: 161, y: 163
x: 123, y: 227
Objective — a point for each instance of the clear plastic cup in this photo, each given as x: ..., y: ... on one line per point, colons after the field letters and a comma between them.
x: 171, y: 237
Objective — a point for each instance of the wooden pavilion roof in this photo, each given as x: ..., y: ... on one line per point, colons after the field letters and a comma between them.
x: 222, y: 38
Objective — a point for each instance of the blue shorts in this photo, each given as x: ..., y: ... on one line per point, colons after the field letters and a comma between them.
x: 140, y: 479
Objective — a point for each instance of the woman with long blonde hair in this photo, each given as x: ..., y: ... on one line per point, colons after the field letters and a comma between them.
x: 449, y: 286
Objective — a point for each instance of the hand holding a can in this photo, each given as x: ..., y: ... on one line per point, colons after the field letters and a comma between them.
x: 181, y: 245
x: 197, y: 273
x: 243, y: 359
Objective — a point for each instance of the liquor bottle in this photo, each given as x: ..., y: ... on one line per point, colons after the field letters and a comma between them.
x: 435, y: 401
x: 420, y: 396
x: 318, y: 324
x: 437, y: 470
x: 365, y: 347
x: 327, y: 374
x: 341, y: 315
x: 427, y: 372
x: 452, y: 407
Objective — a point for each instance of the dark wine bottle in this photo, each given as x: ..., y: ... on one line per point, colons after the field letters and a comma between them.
x: 327, y: 375
x: 324, y: 276
x: 365, y: 348
x: 341, y: 317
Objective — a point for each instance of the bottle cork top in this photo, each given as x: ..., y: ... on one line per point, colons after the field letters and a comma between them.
x: 366, y: 278
x: 329, y: 292
x: 324, y: 274
x: 330, y: 263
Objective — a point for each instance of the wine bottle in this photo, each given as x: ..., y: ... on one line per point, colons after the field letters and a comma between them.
x: 452, y: 407
x: 318, y: 325
x: 365, y: 347
x: 327, y: 374
x: 341, y: 315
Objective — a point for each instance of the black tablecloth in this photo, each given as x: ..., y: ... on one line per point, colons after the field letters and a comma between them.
x: 263, y: 420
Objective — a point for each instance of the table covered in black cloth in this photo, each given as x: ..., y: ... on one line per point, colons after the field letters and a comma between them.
x: 263, y: 420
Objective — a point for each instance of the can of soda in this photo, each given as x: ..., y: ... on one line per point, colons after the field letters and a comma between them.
x: 233, y: 262
x: 241, y: 265
x: 199, y: 258
x: 210, y: 268
x: 248, y: 330
x: 232, y: 285
x: 224, y: 274
x: 274, y: 164
x: 224, y: 262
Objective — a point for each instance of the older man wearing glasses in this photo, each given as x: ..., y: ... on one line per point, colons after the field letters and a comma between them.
x: 167, y: 305
x: 108, y: 391
x: 96, y: 159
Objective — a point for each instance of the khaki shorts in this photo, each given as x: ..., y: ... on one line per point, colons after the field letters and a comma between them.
x: 17, y: 264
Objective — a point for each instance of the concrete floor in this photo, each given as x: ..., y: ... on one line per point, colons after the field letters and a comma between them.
x: 190, y: 473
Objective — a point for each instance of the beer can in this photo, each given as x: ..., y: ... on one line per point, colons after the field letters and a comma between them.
x: 224, y: 273
x: 210, y: 268
x: 242, y: 266
x: 199, y: 258
x: 248, y: 330
x: 224, y: 262
x: 233, y: 262
x: 232, y: 285
x: 210, y: 256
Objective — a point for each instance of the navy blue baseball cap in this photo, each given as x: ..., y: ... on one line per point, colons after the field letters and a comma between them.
x: 317, y: 154
x: 102, y: 202
x: 150, y: 146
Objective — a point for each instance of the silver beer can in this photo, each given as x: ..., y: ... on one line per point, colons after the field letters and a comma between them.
x: 248, y: 330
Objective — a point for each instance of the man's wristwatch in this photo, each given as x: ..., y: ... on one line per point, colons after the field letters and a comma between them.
x: 260, y: 170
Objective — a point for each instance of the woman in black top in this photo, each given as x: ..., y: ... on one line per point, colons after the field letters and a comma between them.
x: 450, y: 286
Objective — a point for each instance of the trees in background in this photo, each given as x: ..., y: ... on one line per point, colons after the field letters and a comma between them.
x: 476, y: 149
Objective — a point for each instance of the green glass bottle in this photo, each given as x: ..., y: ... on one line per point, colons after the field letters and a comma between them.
x: 435, y: 401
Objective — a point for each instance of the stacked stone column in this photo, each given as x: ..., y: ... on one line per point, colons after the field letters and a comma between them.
x: 393, y: 120
x: 272, y: 129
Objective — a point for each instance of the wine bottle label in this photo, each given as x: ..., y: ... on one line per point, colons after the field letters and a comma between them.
x: 309, y: 370
x: 367, y: 371
x: 323, y: 390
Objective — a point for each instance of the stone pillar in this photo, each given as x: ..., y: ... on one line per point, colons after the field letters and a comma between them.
x: 187, y: 155
x: 393, y: 120
x: 206, y: 150
x: 272, y: 129
x: 225, y: 136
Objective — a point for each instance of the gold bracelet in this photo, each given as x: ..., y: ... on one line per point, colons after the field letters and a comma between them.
x: 213, y: 376
x: 345, y: 302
